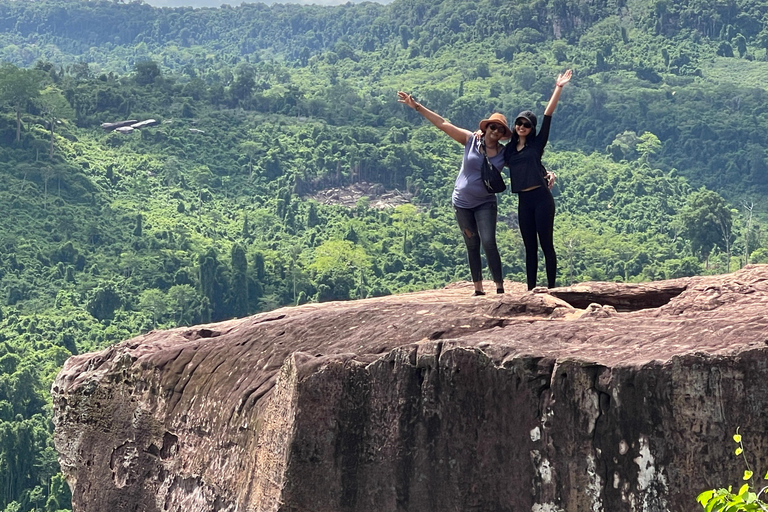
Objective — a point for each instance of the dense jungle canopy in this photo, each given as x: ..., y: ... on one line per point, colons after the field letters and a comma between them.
x: 212, y: 211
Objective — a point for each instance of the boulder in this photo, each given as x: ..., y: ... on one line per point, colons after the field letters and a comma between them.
x: 145, y: 124
x: 596, y: 397
x: 111, y: 126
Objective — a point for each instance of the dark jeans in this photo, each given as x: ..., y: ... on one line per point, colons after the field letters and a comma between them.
x: 478, y: 226
x: 536, y: 215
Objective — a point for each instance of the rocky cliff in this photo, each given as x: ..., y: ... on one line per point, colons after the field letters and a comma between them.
x: 599, y: 397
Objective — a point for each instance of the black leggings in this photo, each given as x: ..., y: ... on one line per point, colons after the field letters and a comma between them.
x: 536, y: 215
x: 478, y: 226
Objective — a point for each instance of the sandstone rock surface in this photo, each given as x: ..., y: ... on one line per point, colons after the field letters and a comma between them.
x: 598, y: 397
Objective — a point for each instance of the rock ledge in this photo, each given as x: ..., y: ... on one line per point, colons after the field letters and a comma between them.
x: 598, y: 397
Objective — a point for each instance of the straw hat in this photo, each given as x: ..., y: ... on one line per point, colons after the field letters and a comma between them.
x: 498, y: 119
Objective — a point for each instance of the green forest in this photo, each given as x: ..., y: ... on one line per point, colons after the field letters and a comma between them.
x: 212, y: 209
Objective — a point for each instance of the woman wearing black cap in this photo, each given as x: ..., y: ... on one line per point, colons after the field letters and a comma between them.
x: 475, y: 207
x: 536, y: 206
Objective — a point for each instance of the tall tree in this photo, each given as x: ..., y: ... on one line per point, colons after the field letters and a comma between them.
x: 54, y: 107
x: 209, y: 288
x: 146, y: 72
x: 18, y: 88
x: 155, y: 303
x: 239, y: 281
x: 707, y: 222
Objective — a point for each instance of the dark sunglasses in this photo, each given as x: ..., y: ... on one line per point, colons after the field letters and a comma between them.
x: 497, y: 128
x: 523, y: 123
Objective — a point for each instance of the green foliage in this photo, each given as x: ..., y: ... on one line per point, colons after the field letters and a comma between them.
x: 707, y: 222
x: 744, y: 500
x: 214, y: 212
x: 18, y: 88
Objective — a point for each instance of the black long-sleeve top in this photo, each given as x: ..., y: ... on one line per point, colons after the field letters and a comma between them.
x: 525, y: 168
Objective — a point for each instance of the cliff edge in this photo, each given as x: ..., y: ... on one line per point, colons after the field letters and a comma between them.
x: 597, y: 397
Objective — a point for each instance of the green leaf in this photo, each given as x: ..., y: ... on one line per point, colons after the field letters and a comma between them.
x: 747, y: 474
x: 744, y: 489
x: 705, y: 496
x: 717, y: 502
x: 739, y: 450
x: 737, y: 438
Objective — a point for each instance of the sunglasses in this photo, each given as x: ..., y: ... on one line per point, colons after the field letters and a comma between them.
x: 523, y: 123
x: 497, y: 128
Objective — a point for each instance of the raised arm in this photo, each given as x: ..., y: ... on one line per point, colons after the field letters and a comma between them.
x: 562, y: 79
x: 460, y: 135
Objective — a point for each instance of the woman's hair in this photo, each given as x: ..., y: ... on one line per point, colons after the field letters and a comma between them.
x: 528, y: 139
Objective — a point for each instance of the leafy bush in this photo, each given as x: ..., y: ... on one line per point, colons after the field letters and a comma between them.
x: 744, y: 500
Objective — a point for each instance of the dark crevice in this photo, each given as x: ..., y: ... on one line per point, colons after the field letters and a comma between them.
x: 196, y: 334
x: 438, y: 352
x: 543, y: 392
x: 603, y: 404
x: 153, y: 450
x: 249, y: 394
x: 495, y: 323
x: 217, y: 366
x: 271, y: 319
x: 622, y: 302
x: 253, y: 395
x: 170, y: 441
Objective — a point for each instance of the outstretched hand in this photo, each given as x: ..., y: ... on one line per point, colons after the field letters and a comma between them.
x: 404, y: 97
x: 563, y: 78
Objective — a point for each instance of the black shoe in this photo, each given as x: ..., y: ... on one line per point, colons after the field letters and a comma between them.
x: 499, y: 290
x: 478, y: 293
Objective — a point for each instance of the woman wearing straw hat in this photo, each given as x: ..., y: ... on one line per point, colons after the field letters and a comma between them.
x: 475, y: 207
x: 531, y: 182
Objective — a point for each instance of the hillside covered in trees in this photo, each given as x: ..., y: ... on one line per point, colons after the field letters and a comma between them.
x: 207, y: 213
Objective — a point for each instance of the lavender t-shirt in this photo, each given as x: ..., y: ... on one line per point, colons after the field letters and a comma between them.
x: 469, y: 190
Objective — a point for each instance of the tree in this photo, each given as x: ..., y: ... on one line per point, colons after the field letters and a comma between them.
x: 482, y: 70
x: 103, y: 301
x: 209, y: 285
x: 725, y: 49
x: 624, y: 146
x: 19, y: 88
x: 405, y: 35
x: 648, y: 144
x: 741, y: 45
x: 147, y: 72
x: 560, y: 51
x: 762, y: 40
x: 245, y: 80
x: 54, y: 107
x: 183, y: 300
x: 139, y: 225
x: 748, y: 207
x: 706, y: 222
x: 312, y: 218
x: 336, y: 265
x: 252, y: 149
x: 155, y: 303
x: 239, y: 281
